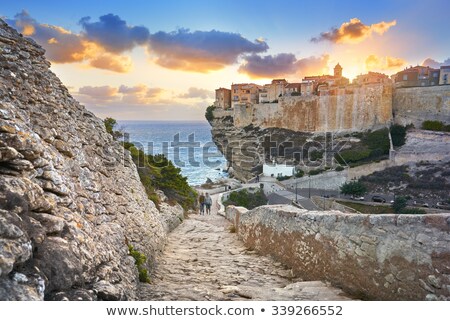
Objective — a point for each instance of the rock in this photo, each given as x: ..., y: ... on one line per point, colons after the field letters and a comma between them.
x: 107, y: 292
x: 68, y: 207
x: 208, y: 181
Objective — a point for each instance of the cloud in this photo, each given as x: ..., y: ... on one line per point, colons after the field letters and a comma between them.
x: 100, y: 93
x: 272, y: 66
x: 354, y: 31
x: 104, y: 95
x: 120, y: 64
x: 194, y: 92
x: 435, y: 64
x: 201, y: 51
x: 63, y: 46
x: 113, y: 33
x: 100, y: 44
x: 373, y: 63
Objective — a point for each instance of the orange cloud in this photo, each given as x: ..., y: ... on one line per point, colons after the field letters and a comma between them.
x: 63, y: 46
x: 354, y: 31
x: 374, y: 63
x: 117, y: 63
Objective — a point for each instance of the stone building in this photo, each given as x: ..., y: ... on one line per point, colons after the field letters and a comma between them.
x: 245, y: 94
x: 417, y: 76
x: 293, y: 88
x: 331, y: 80
x: 223, y: 98
x: 306, y: 88
x: 444, y: 77
x: 371, y: 78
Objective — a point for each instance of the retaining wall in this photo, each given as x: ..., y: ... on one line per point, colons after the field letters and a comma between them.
x: 377, y: 257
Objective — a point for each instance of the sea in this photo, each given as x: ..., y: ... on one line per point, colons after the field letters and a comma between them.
x: 188, y: 144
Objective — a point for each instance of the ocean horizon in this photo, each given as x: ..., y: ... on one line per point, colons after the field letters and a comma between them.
x: 162, y: 137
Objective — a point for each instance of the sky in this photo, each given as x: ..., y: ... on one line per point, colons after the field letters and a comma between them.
x: 162, y: 60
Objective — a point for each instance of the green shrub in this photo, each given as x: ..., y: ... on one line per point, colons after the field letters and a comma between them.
x: 246, y: 199
x: 432, y: 125
x: 378, y: 139
x: 352, y: 156
x: 315, y: 155
x: 339, y: 168
x: 399, y: 204
x: 315, y: 171
x: 158, y: 172
x: 139, y: 260
x: 110, y: 123
x: 299, y: 173
x: 354, y: 188
x: 283, y: 178
x: 209, y: 115
x: 398, y: 134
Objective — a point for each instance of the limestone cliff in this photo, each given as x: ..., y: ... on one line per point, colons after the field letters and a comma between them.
x: 70, y: 198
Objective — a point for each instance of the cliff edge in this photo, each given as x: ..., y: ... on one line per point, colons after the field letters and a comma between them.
x: 71, y: 201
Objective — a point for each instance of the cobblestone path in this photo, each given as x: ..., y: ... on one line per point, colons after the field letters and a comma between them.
x: 203, y: 260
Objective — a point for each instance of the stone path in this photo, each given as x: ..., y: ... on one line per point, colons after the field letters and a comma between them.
x: 203, y: 260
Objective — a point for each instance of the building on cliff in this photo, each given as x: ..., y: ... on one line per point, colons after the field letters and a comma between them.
x: 418, y: 76
x: 371, y: 78
x: 444, y: 77
x: 223, y: 98
x: 331, y: 80
x: 245, y: 94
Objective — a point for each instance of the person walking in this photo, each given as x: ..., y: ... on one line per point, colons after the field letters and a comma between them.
x: 208, y: 203
x: 201, y: 200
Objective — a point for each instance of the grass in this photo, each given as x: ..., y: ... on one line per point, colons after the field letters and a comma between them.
x: 368, y: 209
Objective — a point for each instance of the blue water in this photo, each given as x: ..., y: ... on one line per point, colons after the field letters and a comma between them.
x: 205, y: 161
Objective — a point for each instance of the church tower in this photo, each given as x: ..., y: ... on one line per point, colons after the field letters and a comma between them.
x: 338, y: 71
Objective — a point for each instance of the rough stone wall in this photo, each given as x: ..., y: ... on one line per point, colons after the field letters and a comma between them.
x: 70, y: 200
x: 424, y: 145
x: 378, y: 257
x: 345, y: 109
x: 415, y: 104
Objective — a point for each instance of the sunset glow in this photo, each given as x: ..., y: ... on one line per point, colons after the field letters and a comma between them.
x: 163, y: 50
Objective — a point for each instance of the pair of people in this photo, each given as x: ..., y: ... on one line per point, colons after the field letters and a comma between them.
x: 205, y: 203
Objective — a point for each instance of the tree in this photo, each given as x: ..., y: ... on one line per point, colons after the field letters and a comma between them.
x: 399, y: 204
x: 110, y: 123
x: 209, y: 115
x: 354, y: 188
x: 398, y: 134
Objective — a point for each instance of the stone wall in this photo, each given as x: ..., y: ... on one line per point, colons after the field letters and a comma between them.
x: 345, y: 109
x: 71, y: 200
x: 415, y: 104
x: 377, y: 257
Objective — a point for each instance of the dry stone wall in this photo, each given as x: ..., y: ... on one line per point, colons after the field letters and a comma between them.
x: 378, y: 257
x: 70, y: 198
x: 416, y: 104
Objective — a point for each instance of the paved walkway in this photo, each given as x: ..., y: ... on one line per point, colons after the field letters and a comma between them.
x: 203, y: 260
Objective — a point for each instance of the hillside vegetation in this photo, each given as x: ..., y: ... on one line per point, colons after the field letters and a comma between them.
x: 158, y: 173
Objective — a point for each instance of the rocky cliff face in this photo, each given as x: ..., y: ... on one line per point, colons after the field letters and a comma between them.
x: 70, y: 199
x: 246, y: 148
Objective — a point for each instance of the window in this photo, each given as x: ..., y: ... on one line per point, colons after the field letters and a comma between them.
x: 405, y: 77
x: 435, y: 74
